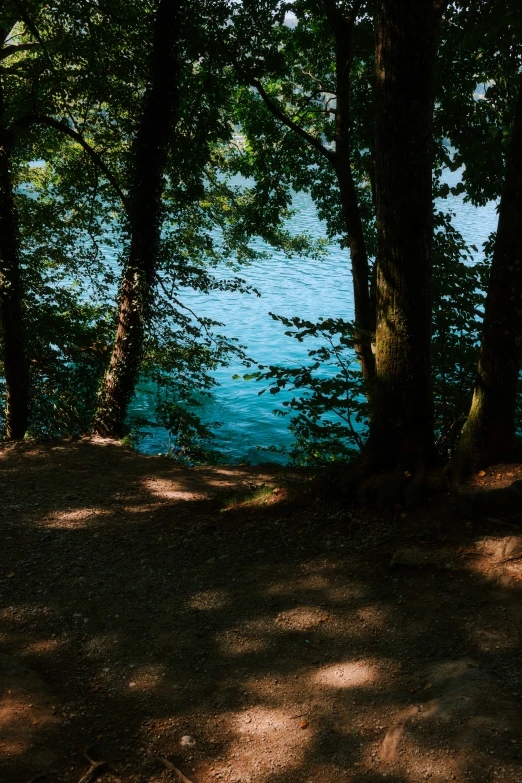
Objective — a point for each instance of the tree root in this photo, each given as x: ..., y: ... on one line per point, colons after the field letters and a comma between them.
x: 170, y: 766
x: 97, y: 769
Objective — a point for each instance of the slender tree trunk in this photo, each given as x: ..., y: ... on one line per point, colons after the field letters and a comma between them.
x: 489, y: 433
x: 401, y: 431
x: 342, y: 28
x: 11, y: 311
x: 150, y: 155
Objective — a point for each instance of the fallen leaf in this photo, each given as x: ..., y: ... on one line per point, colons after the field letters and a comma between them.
x: 481, y: 473
x: 428, y: 686
x: 304, y: 724
x: 10, y: 576
x: 407, y: 474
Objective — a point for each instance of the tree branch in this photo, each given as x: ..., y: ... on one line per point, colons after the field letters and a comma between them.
x: 62, y: 127
x: 7, y: 51
x: 274, y: 108
x: 280, y: 115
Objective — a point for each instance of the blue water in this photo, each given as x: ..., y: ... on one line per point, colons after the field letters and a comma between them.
x: 290, y: 287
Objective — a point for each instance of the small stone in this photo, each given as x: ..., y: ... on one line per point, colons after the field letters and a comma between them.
x: 187, y: 741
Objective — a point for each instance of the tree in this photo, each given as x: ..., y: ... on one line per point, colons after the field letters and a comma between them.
x: 489, y: 433
x: 401, y: 428
x: 150, y: 155
x: 11, y: 309
x: 306, y: 78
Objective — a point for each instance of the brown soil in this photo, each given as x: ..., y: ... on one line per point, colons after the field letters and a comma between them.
x: 223, y: 619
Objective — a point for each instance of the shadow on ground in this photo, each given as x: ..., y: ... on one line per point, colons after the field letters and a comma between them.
x: 245, y: 634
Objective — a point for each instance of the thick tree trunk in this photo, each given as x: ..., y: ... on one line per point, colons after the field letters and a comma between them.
x: 150, y: 154
x: 489, y: 433
x: 401, y: 431
x: 11, y: 311
x: 342, y: 28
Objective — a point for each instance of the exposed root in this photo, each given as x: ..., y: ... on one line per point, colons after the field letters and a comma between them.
x: 170, y: 766
x: 97, y: 769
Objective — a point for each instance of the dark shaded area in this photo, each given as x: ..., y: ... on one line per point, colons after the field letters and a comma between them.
x: 143, y: 603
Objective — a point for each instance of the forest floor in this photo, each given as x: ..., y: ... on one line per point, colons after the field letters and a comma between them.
x: 224, y: 622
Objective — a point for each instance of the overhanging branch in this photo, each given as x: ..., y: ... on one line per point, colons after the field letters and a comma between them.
x: 280, y: 115
x: 7, y: 51
x: 62, y: 127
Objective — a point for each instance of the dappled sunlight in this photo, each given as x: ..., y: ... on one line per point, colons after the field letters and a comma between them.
x: 44, y: 647
x: 145, y: 678
x: 168, y: 490
x: 280, y: 657
x: 209, y: 599
x: 79, y: 518
x: 25, y: 613
x: 301, y: 618
x: 354, y: 674
x: 269, y: 740
x: 28, y: 716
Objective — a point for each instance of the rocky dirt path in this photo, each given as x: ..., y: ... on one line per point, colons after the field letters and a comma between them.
x: 223, y: 620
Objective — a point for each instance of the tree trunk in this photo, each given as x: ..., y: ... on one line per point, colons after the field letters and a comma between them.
x: 11, y: 310
x: 342, y: 28
x: 401, y: 430
x: 150, y: 156
x: 489, y: 433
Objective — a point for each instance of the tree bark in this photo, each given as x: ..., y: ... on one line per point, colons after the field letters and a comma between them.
x: 11, y: 309
x: 401, y: 429
x: 150, y: 156
x: 342, y: 27
x: 489, y: 433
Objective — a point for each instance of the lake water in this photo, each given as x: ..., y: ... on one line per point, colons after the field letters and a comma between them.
x: 290, y: 287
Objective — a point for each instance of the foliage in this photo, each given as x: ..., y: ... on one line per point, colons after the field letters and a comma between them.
x: 329, y: 413
x: 73, y: 224
x: 84, y: 65
x: 459, y: 281
x: 189, y: 440
x: 328, y: 416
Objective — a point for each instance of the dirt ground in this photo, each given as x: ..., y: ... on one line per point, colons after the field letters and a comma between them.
x: 225, y: 622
